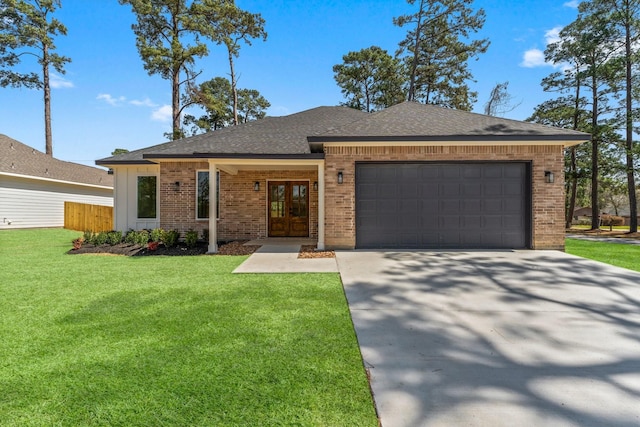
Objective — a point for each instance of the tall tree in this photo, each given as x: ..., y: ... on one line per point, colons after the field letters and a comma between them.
x: 251, y: 105
x: 215, y: 97
x: 624, y: 17
x: 27, y: 28
x: 500, y: 101
x: 168, y: 36
x: 229, y: 25
x: 370, y: 79
x: 437, y: 49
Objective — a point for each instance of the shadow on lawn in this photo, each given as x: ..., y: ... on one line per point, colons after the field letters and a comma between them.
x: 551, y: 338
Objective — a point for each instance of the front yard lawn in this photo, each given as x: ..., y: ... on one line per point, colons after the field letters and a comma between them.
x: 618, y: 254
x: 170, y: 341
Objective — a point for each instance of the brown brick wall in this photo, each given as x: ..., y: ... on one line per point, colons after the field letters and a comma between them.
x: 243, y: 211
x: 548, y: 199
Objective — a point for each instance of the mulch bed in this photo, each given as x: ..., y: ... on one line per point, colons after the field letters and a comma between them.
x: 230, y: 248
x: 310, y: 252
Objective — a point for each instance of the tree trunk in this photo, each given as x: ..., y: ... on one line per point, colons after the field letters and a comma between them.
x: 414, y: 63
x: 631, y: 181
x: 595, y: 136
x: 48, y: 142
x: 234, y: 89
x: 175, y: 84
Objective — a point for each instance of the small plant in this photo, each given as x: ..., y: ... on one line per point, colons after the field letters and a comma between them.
x: 191, y: 238
x: 87, y: 236
x: 140, y: 238
x: 77, y: 243
x: 152, y: 246
x: 99, y: 239
x: 170, y: 238
x: 156, y: 234
x: 114, y: 237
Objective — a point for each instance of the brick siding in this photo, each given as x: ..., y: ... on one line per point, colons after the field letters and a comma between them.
x: 547, y: 199
x: 243, y: 211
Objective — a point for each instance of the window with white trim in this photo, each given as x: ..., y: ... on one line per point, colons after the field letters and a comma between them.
x: 202, y: 195
x: 147, y: 197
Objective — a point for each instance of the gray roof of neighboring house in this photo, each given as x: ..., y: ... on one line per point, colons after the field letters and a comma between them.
x: 422, y: 122
x: 297, y: 134
x: 20, y: 159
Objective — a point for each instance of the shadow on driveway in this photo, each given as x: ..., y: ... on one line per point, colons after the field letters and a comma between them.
x: 524, y: 338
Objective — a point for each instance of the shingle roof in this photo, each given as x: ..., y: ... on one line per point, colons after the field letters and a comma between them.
x: 20, y: 159
x: 415, y: 121
x: 292, y: 135
x: 285, y: 135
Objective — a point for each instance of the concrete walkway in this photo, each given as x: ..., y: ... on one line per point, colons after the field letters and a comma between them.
x: 281, y: 256
x: 620, y: 240
x: 506, y: 338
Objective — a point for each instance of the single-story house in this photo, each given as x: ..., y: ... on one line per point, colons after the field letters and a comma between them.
x: 34, y: 186
x: 409, y: 176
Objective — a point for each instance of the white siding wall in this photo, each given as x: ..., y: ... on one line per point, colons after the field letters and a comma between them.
x: 32, y: 203
x: 125, y: 212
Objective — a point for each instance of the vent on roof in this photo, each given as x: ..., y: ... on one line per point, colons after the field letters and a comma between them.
x: 33, y: 151
x: 46, y: 171
x: 13, y: 165
x: 11, y: 146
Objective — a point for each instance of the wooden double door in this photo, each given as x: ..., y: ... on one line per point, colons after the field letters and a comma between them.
x: 289, y: 209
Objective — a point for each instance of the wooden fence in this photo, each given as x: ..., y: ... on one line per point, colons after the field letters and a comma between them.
x: 84, y: 217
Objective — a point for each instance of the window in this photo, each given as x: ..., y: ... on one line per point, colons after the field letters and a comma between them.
x: 202, y: 197
x: 147, y: 190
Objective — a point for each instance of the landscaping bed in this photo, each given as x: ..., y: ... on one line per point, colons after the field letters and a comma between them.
x: 180, y: 249
x: 310, y: 252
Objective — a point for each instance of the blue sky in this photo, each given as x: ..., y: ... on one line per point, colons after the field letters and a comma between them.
x: 106, y: 100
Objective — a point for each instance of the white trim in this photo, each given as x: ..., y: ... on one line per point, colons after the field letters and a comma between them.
x: 320, y: 245
x: 59, y: 181
x: 213, y: 223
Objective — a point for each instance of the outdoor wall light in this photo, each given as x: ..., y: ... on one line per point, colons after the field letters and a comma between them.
x: 315, y: 186
x: 256, y: 186
x: 340, y: 178
x: 548, y: 177
x: 176, y: 186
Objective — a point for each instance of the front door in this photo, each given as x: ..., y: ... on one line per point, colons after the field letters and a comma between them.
x: 288, y: 209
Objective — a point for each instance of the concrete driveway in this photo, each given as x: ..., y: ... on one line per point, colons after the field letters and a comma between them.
x: 524, y: 338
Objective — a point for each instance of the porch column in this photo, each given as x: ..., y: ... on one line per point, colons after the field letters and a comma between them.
x: 321, y: 206
x: 213, y: 208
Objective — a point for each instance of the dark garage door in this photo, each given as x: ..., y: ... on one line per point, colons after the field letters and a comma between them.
x: 442, y: 205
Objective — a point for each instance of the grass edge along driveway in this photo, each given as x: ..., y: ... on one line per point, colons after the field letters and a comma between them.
x: 170, y: 341
x: 618, y: 254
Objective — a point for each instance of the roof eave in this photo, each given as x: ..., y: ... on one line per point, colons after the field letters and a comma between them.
x: 266, y: 156
x: 579, y: 138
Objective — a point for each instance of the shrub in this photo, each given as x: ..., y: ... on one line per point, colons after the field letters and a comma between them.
x: 87, y: 236
x: 170, y: 238
x: 99, y: 239
x: 191, y: 238
x: 114, y: 237
x: 77, y: 243
x: 156, y: 234
x: 140, y: 238
x: 611, y: 220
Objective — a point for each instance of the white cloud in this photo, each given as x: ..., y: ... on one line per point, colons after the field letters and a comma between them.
x: 553, y: 35
x: 144, y: 103
x: 58, y: 82
x: 114, y: 102
x: 533, y: 58
x: 572, y: 4
x: 162, y: 114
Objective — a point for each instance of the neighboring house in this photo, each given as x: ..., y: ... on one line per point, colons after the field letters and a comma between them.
x: 409, y: 176
x: 34, y: 186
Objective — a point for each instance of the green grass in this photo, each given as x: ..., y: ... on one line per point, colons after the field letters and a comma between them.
x: 88, y: 340
x: 617, y: 254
